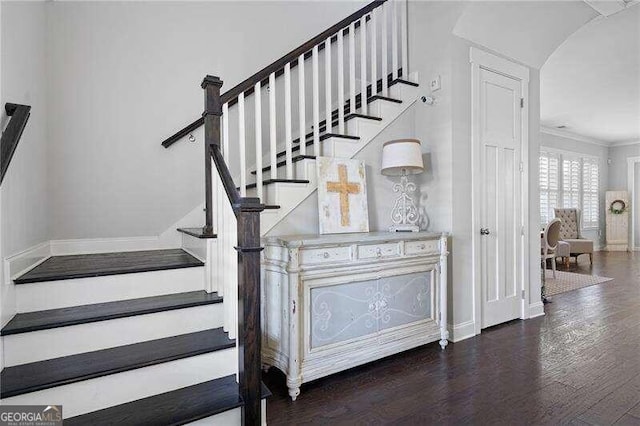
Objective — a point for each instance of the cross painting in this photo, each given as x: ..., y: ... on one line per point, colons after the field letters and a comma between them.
x: 342, y: 196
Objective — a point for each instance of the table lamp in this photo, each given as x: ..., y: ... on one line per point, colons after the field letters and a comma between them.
x: 403, y: 157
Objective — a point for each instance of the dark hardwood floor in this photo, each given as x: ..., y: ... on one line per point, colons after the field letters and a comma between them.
x: 579, y: 364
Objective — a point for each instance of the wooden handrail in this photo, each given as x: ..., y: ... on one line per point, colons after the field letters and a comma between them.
x: 247, y: 211
x: 11, y: 136
x: 262, y: 76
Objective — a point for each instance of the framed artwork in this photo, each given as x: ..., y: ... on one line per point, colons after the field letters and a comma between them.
x: 342, y: 195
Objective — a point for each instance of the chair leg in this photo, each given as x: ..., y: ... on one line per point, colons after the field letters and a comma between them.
x: 553, y: 266
x: 591, y: 258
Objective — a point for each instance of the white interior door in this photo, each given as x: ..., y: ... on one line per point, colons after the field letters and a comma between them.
x: 500, y: 138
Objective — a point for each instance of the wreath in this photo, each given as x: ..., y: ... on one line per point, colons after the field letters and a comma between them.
x: 618, y: 207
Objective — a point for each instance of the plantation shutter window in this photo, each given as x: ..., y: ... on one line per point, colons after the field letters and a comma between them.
x: 569, y: 181
x: 549, y: 185
x: 590, y: 201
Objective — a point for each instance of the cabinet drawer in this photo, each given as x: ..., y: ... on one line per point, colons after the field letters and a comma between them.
x: 325, y: 255
x: 377, y: 250
x: 421, y: 247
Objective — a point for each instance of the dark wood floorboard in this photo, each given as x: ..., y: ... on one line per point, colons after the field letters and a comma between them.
x: 579, y: 365
x: 53, y: 318
x: 96, y: 265
x: 40, y: 375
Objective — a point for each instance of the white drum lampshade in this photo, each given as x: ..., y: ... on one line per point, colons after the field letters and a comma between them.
x: 402, y: 156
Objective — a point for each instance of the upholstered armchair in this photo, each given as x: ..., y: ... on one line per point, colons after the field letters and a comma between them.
x: 570, y: 233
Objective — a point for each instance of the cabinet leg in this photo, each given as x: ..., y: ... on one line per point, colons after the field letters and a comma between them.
x: 294, y: 392
x: 444, y: 338
x: 294, y: 388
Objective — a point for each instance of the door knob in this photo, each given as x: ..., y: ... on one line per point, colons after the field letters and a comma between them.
x: 484, y: 231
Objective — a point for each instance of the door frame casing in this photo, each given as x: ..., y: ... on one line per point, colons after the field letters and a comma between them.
x: 480, y: 59
x: 631, y: 188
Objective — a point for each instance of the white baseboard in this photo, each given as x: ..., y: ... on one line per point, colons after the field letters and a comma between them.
x: 14, y: 266
x: 462, y: 331
x: 168, y: 239
x: 24, y: 261
x: 536, y: 310
x: 107, y: 245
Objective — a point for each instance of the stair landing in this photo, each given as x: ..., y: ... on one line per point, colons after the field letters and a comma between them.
x: 96, y: 265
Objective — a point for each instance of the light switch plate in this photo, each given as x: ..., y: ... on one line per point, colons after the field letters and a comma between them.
x: 435, y: 84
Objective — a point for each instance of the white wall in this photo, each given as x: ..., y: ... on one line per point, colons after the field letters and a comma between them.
x: 601, y: 152
x: 125, y: 75
x: 535, y: 28
x: 25, y: 201
x: 25, y: 207
x: 618, y: 167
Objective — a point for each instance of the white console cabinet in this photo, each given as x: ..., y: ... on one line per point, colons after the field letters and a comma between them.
x: 333, y: 302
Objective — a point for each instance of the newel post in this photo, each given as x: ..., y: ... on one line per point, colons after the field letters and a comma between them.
x: 212, y: 113
x: 249, y: 331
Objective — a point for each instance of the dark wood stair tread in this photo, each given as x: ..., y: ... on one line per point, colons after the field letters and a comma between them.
x: 357, y: 115
x: 54, y: 318
x: 198, y: 233
x: 177, y: 407
x: 400, y: 80
x: 25, y: 378
x: 383, y: 98
x: 272, y: 181
x: 97, y: 265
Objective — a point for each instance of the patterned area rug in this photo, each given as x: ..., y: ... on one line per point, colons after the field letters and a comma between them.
x: 569, y: 281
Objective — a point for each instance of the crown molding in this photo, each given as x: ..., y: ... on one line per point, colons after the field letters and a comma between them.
x: 624, y: 143
x: 570, y: 135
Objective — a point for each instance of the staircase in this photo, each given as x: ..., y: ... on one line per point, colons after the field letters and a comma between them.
x: 173, y: 336
x: 121, y: 338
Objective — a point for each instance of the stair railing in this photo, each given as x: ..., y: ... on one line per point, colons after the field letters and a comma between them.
x: 11, y: 136
x: 371, y: 50
x: 247, y: 212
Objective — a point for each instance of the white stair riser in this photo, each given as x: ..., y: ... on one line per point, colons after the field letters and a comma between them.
x: 63, y: 341
x: 382, y: 108
x: 196, y: 247
x: 228, y: 418
x: 405, y: 92
x: 284, y: 194
x: 102, y: 392
x: 331, y: 146
x: 85, y: 291
x: 365, y: 128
